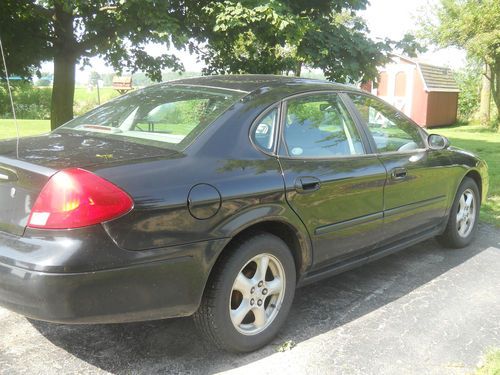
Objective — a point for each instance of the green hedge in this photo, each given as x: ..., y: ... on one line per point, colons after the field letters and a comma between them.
x: 30, y: 102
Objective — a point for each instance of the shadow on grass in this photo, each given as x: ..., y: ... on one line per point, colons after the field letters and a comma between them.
x: 175, y: 346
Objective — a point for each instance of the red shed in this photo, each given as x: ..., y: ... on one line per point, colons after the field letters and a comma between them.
x: 426, y: 93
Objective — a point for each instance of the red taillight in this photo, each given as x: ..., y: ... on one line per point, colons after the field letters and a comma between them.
x: 74, y: 198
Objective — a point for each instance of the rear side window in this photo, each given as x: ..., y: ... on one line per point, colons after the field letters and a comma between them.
x: 319, y: 126
x: 161, y: 115
x: 264, y: 130
x: 390, y: 130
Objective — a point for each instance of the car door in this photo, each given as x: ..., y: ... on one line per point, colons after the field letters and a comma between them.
x: 415, y: 194
x: 333, y: 181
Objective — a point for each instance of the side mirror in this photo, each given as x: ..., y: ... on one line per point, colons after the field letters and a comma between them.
x: 437, y: 142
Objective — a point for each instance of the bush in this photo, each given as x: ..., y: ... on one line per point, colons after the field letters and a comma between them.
x: 469, y: 83
x: 4, y: 100
x: 30, y: 102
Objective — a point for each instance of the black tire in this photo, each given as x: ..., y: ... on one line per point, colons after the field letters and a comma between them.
x: 451, y: 237
x: 213, y: 317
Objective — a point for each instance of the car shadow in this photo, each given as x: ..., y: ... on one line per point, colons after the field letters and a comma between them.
x: 174, y: 345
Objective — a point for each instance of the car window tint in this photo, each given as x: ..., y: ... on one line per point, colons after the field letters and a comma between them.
x: 320, y: 126
x: 160, y: 115
x: 263, y: 132
x: 390, y: 130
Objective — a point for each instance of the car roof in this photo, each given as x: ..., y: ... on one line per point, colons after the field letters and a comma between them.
x: 251, y: 82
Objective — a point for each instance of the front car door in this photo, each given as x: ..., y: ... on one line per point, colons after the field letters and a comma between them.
x: 333, y: 181
x: 415, y: 194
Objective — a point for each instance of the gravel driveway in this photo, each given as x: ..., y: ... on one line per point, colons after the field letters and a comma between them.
x: 423, y: 310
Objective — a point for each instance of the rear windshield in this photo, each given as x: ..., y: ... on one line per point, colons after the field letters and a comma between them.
x: 164, y: 115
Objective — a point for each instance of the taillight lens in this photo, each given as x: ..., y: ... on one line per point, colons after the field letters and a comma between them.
x: 74, y: 198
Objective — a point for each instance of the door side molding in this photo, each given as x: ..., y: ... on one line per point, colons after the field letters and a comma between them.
x: 348, y: 223
x: 412, y: 206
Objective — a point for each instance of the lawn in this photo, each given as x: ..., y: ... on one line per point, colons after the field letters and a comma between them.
x: 486, y: 144
x: 491, y: 365
x: 26, y: 127
x: 86, y: 99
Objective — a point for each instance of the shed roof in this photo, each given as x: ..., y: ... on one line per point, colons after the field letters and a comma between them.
x: 438, y: 78
x: 435, y: 78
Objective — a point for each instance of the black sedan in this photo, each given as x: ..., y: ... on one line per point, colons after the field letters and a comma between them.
x: 217, y: 197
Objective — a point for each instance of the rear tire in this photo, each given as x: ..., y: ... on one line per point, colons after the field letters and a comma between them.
x: 248, y: 295
x: 464, y: 216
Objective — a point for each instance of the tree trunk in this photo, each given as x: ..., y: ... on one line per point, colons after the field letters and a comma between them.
x: 63, y: 90
x: 298, y: 69
x: 484, y: 108
x: 495, y: 90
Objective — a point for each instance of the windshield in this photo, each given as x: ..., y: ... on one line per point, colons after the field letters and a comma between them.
x: 162, y: 115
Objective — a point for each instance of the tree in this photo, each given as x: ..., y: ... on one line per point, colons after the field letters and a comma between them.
x: 485, y: 97
x: 69, y: 32
x: 94, y: 78
x: 469, y: 83
x: 283, y: 36
x: 474, y: 26
x: 231, y: 36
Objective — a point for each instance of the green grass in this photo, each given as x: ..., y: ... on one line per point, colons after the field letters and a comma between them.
x: 486, y: 144
x: 26, y: 127
x: 491, y: 365
x: 86, y: 100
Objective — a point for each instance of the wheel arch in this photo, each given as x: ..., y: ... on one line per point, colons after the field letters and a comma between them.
x: 476, y: 176
x: 297, y: 241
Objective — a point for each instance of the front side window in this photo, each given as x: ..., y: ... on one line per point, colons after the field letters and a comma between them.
x: 319, y: 126
x: 390, y: 130
x: 164, y: 116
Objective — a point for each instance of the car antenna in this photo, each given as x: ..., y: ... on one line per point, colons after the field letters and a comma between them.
x: 10, y: 95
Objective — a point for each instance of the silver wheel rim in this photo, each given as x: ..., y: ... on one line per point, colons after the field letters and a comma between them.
x: 466, y: 214
x: 257, y: 294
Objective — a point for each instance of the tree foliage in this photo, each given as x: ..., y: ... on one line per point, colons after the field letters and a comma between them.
x: 474, y: 26
x: 282, y: 36
x: 231, y: 36
x: 469, y: 83
x: 115, y: 30
x: 70, y: 32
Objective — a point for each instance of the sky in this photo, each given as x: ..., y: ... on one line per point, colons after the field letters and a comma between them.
x: 394, y: 18
x: 385, y: 19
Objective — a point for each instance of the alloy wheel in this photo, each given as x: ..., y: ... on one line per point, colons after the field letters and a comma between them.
x: 257, y: 294
x: 466, y: 215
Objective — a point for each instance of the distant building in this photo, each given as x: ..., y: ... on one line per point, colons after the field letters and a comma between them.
x: 122, y: 84
x: 426, y: 93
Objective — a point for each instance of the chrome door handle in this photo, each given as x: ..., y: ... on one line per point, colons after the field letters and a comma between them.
x: 307, y: 184
x: 399, y: 173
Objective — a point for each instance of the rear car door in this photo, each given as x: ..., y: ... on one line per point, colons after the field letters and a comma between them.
x: 415, y: 194
x: 333, y: 181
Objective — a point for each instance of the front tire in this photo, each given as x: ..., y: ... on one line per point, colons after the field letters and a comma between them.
x: 248, y: 295
x: 464, y: 216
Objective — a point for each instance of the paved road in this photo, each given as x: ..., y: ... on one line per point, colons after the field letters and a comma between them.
x: 426, y: 310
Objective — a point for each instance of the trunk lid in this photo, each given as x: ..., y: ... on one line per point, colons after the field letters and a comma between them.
x: 77, y: 149
x: 27, y: 164
x: 20, y: 184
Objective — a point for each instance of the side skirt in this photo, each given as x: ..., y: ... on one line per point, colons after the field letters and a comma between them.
x: 348, y: 264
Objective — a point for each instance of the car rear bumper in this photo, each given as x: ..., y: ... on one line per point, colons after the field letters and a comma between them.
x: 144, y: 289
